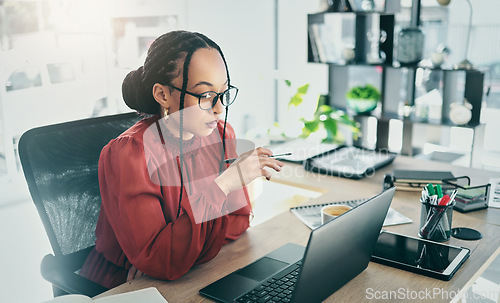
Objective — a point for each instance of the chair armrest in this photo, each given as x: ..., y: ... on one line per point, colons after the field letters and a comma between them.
x: 54, y: 272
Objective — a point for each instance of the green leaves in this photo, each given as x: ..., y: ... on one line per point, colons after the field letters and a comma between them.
x: 329, y: 118
x: 325, y: 117
x: 298, y: 98
x: 310, y: 126
x: 364, y: 92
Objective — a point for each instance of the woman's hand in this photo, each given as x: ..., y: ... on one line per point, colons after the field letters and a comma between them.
x: 133, y: 273
x: 247, y: 168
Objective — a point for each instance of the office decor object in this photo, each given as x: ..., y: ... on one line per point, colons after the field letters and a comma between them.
x: 439, y: 55
x: 465, y: 63
x: 461, y: 113
x: 410, y: 45
x: 363, y: 99
x: 468, y: 198
x: 60, y: 166
x: 149, y: 295
x: 338, y: 6
x: 348, y: 53
x: 377, y: 6
x: 310, y: 215
x: 362, y: 5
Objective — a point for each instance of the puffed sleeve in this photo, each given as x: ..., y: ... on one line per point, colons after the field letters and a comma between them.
x: 133, y: 206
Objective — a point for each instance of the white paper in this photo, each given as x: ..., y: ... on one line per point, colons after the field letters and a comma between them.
x: 149, y: 295
x: 494, y: 200
x: 70, y: 299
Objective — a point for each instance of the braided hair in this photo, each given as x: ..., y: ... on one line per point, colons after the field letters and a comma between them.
x: 166, y: 56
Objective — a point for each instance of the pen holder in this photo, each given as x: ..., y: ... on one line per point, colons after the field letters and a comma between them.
x: 435, y: 221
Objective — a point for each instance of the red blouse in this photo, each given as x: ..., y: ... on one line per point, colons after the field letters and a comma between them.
x: 139, y: 178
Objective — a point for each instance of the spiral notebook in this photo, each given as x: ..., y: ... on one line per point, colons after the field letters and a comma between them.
x: 310, y: 215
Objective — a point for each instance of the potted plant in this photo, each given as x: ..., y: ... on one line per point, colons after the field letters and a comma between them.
x: 325, y: 118
x: 363, y: 99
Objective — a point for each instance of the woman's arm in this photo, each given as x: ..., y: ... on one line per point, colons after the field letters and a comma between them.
x: 161, y: 249
x: 239, y: 220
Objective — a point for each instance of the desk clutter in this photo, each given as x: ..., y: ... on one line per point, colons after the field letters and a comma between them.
x: 466, y: 198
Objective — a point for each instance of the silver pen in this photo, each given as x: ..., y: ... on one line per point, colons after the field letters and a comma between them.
x: 271, y: 156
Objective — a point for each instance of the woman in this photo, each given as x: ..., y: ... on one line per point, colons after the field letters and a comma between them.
x: 168, y: 199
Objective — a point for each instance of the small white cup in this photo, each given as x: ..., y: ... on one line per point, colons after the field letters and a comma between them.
x: 331, y: 212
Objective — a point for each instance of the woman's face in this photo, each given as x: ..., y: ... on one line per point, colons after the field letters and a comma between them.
x: 207, y: 72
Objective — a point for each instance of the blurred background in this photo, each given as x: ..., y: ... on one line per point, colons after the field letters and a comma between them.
x: 63, y: 60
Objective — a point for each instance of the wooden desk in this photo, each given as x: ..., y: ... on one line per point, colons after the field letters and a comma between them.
x: 285, y: 227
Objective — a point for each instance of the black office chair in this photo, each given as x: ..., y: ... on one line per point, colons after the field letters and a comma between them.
x: 60, y: 166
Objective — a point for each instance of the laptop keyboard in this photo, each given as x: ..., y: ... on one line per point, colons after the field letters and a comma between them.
x: 278, y: 288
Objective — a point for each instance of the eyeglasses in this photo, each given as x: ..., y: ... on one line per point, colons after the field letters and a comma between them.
x: 207, y: 100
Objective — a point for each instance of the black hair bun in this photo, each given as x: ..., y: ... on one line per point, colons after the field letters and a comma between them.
x: 135, y: 94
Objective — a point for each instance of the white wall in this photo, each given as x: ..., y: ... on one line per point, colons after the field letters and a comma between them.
x: 245, y: 30
x: 485, y: 38
x: 293, y: 65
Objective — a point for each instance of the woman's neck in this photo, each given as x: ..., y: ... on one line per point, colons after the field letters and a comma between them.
x: 174, y: 129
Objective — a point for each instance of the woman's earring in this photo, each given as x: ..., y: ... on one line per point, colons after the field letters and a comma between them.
x: 165, y: 113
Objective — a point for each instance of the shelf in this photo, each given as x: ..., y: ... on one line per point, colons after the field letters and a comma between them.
x: 334, y: 37
x: 414, y: 120
x: 397, y: 65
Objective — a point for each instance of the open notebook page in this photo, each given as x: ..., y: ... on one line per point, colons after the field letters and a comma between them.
x: 150, y: 295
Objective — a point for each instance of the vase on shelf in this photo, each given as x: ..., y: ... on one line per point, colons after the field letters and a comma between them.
x: 362, y: 99
x: 362, y: 106
x: 410, y: 46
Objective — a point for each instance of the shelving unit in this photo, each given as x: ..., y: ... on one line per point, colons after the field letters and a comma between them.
x: 331, y: 32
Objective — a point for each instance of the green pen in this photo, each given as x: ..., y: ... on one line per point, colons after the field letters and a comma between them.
x: 439, y: 190
x: 430, y: 189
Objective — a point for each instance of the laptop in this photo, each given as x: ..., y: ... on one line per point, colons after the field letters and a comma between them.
x: 335, y: 253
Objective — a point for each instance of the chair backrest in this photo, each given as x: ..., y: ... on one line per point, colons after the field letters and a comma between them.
x: 60, y: 165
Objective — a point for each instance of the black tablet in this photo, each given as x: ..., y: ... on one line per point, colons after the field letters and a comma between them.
x: 436, y: 260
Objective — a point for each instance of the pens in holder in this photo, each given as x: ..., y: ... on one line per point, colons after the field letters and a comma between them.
x: 439, y: 191
x: 436, y: 214
x: 271, y: 156
x: 430, y: 189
